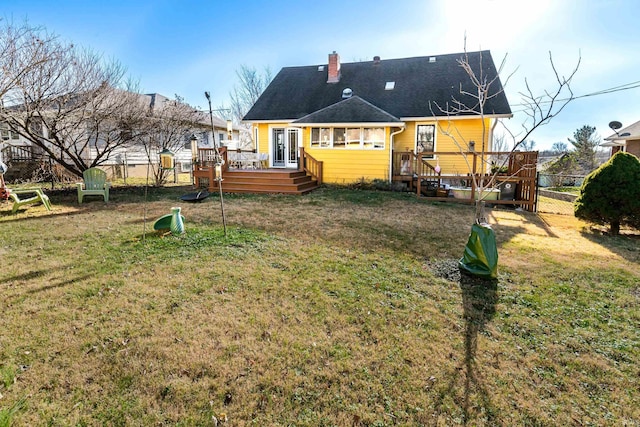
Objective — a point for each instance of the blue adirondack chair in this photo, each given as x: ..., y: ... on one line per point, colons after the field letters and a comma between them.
x: 95, y: 184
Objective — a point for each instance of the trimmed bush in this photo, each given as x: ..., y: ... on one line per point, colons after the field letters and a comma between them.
x: 611, y: 194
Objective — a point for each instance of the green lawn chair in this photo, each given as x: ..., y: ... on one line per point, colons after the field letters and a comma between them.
x: 37, y: 196
x: 95, y: 184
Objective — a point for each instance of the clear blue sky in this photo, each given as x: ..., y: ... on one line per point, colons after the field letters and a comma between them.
x: 187, y: 47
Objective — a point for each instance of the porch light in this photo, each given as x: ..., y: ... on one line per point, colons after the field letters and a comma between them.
x: 229, y: 130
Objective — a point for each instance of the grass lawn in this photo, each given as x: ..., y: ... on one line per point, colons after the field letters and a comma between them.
x: 572, y: 190
x: 339, y: 308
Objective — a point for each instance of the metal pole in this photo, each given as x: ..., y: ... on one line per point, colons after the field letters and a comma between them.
x: 218, y: 160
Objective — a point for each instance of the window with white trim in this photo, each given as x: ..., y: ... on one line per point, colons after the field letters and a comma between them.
x: 348, y: 138
x: 6, y: 133
x: 426, y: 139
x: 339, y: 137
x: 373, y: 137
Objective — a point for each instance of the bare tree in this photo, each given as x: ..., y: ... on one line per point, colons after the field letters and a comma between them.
x: 23, y: 48
x: 250, y: 86
x: 559, y: 147
x: 539, y: 110
x: 168, y: 126
x: 528, y: 145
x: 500, y: 143
x: 245, y: 93
x: 67, y: 100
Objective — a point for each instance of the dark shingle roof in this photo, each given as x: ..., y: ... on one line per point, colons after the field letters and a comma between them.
x: 351, y: 110
x: 420, y: 84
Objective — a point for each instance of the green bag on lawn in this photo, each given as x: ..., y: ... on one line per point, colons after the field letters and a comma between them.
x: 481, y: 253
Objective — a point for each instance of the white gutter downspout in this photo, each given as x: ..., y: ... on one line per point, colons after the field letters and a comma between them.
x: 391, y: 140
x: 491, y: 129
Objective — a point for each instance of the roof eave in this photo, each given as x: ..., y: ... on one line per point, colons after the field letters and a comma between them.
x: 622, y: 138
x: 447, y: 118
x: 613, y: 144
x: 270, y: 121
x: 351, y: 124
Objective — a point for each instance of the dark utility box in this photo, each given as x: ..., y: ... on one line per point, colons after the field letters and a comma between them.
x: 507, y: 190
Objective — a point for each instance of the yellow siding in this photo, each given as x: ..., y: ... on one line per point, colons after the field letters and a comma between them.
x: 462, y: 131
x: 342, y: 166
x: 263, y: 135
x: 347, y: 166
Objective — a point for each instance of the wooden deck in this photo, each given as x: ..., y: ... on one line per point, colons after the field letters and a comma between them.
x: 282, y: 181
x: 420, y: 175
x: 255, y: 179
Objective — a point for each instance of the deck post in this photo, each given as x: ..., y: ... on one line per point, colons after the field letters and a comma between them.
x: 301, y: 159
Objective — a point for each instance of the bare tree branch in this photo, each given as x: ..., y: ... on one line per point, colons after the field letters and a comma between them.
x: 168, y: 125
x: 64, y: 99
x: 245, y: 93
x: 539, y: 109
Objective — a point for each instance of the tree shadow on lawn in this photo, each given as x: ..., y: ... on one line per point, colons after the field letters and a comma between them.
x: 60, y: 284
x: 29, y: 275
x: 626, y: 246
x: 36, y: 213
x: 479, y: 299
x: 25, y: 279
x: 525, y: 217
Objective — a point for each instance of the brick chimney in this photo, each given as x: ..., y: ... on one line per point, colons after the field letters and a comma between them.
x: 334, y: 68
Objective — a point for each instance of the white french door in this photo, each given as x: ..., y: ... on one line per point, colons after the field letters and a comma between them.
x: 284, y: 147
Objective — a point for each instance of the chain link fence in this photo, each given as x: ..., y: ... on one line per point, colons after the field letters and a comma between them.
x: 42, y: 170
x: 556, y: 202
x: 554, y: 206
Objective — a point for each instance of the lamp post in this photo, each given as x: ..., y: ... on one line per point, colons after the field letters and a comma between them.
x: 218, y: 164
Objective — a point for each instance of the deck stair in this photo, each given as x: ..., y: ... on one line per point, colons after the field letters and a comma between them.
x: 281, y: 181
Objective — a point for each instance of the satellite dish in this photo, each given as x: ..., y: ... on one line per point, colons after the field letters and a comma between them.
x: 615, y: 125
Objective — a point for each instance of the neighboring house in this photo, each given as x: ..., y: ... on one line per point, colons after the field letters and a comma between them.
x: 353, y: 117
x: 625, y: 139
x: 134, y: 159
x: 130, y: 160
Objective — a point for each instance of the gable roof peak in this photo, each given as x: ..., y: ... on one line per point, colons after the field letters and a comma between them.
x: 350, y: 110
